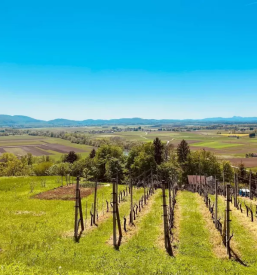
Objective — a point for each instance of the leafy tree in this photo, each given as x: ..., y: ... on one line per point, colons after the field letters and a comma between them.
x: 183, y: 151
x: 203, y: 163
x: 10, y: 165
x: 141, y: 159
x: 158, y: 151
x: 227, y: 169
x: 169, y: 152
x: 41, y: 169
x: 114, y: 168
x: 77, y: 168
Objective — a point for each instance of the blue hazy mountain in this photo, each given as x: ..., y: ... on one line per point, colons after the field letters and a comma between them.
x: 25, y: 121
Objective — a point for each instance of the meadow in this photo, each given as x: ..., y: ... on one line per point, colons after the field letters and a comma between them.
x: 36, y: 236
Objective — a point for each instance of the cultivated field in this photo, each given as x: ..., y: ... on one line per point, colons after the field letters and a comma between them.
x: 224, y: 146
x: 36, y: 235
x: 39, y: 146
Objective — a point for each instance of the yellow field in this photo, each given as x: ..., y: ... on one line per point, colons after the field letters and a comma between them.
x: 235, y: 135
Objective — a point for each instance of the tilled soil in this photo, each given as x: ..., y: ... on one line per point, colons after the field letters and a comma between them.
x: 64, y: 193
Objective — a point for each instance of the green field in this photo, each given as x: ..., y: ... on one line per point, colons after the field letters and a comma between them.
x: 36, y: 236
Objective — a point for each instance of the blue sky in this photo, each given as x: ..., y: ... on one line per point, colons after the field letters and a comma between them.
x: 113, y: 59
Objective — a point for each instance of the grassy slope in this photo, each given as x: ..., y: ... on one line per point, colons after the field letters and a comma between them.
x: 34, y: 241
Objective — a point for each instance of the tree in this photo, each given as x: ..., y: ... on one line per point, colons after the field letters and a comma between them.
x: 141, y: 159
x: 158, y: 151
x: 71, y: 157
x: 114, y: 168
x: 228, y: 171
x: 183, y: 151
x: 103, y: 155
x: 41, y: 169
x: 92, y: 153
x: 241, y: 172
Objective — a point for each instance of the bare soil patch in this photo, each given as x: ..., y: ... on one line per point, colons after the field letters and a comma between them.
x: 59, y: 148
x: 2, y: 150
x: 35, y: 151
x: 248, y: 162
x: 64, y: 193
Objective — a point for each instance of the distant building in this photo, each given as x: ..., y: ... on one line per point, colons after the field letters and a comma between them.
x: 195, y: 180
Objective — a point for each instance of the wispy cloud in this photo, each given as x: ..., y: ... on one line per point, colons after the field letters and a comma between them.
x: 250, y: 4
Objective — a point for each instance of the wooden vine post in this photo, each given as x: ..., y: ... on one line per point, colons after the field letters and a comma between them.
x: 236, y: 191
x: 250, y: 185
x: 114, y: 197
x: 131, y: 202
x: 170, y: 203
x: 94, y: 214
x: 228, y: 237
x: 165, y: 221
x: 216, y: 203
x: 78, y: 213
x: 117, y: 210
x: 224, y: 187
x: 144, y: 192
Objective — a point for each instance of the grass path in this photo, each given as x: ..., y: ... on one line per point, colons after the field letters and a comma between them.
x: 215, y: 237
x: 243, y: 242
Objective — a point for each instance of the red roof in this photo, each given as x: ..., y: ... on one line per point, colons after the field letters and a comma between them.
x: 195, y: 179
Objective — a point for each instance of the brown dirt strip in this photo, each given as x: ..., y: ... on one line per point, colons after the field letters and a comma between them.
x: 35, y: 151
x: 64, y: 193
x: 133, y: 229
x: 216, y: 239
x: 248, y: 162
x: 2, y: 150
x: 60, y: 148
x: 18, y: 146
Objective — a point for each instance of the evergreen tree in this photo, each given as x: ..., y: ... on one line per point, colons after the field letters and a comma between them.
x: 71, y: 157
x: 183, y: 151
x: 158, y: 151
x: 92, y: 153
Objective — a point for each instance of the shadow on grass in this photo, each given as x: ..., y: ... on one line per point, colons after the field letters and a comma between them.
x: 236, y: 257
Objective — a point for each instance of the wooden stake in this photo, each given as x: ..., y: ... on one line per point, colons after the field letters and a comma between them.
x: 165, y: 221
x: 114, y: 213
x: 94, y: 217
x: 216, y: 203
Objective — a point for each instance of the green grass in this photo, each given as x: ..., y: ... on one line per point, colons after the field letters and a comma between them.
x: 216, y: 145
x: 34, y: 240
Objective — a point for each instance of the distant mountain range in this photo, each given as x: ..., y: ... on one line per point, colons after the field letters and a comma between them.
x: 24, y: 121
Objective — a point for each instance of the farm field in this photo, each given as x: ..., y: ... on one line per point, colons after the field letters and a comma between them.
x: 39, y: 146
x: 36, y: 235
x: 223, y: 146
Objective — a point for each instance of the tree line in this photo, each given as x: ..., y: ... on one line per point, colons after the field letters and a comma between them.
x: 162, y: 160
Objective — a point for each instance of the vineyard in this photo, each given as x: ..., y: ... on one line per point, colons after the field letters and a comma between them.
x: 149, y: 227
